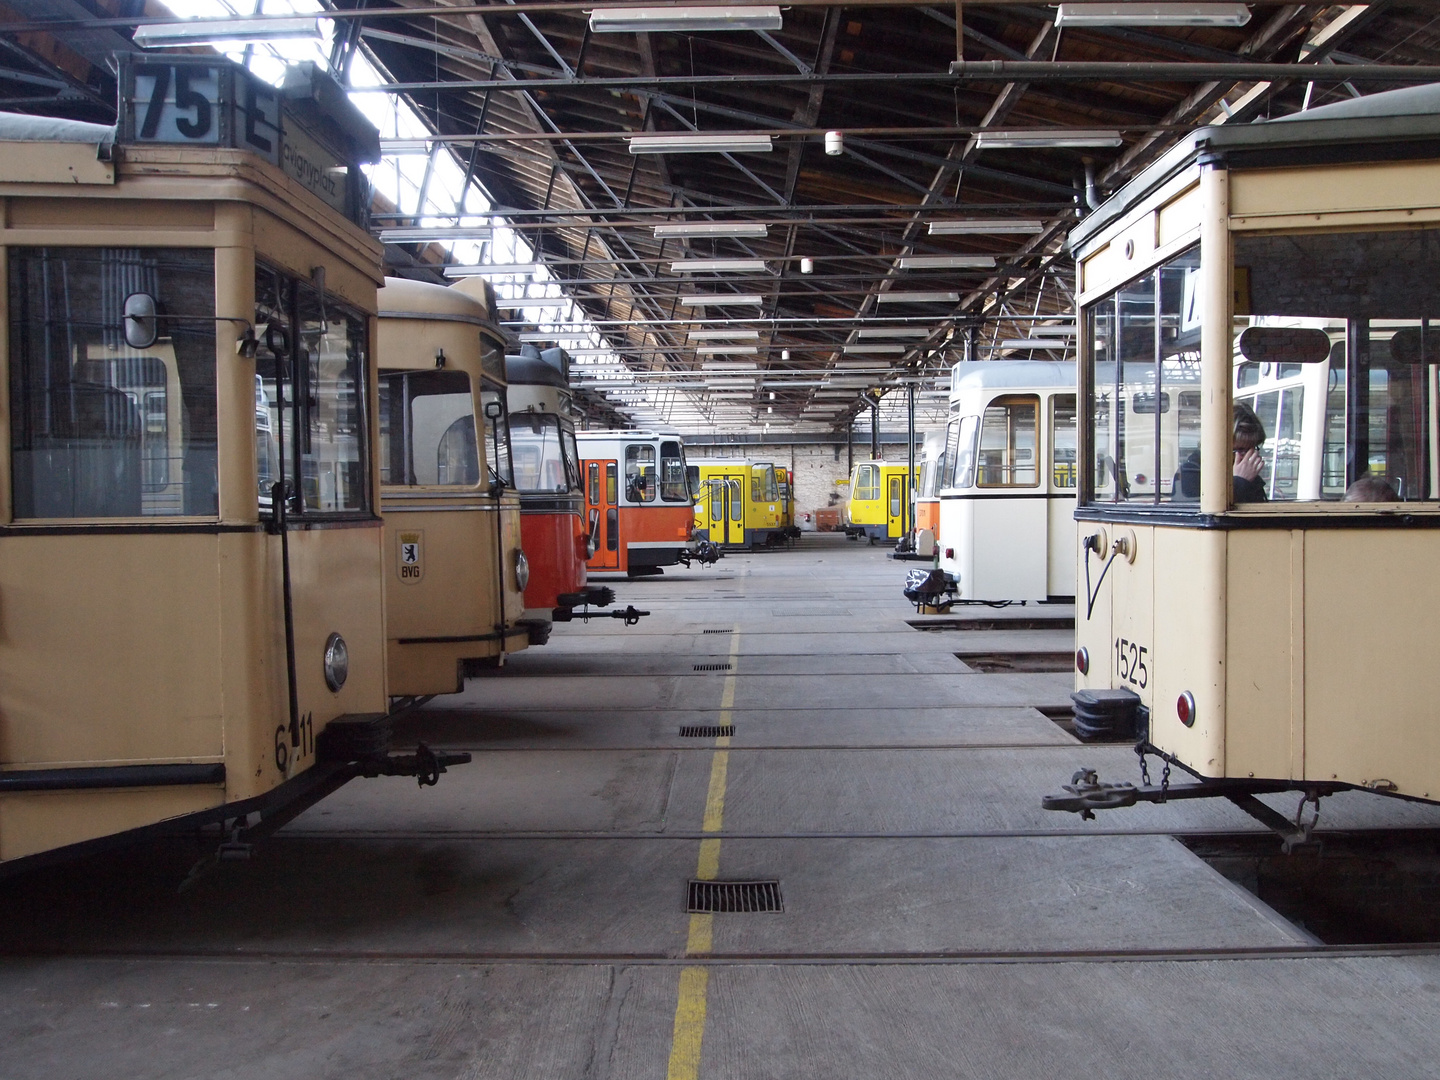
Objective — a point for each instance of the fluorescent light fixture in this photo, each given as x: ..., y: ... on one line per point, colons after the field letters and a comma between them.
x: 871, y: 333
x: 724, y: 335
x: 491, y: 270
x: 1052, y: 331
x: 205, y: 31
x: 720, y: 299
x: 1204, y: 14
x: 948, y: 262
x: 685, y: 143
x: 987, y: 227
x: 893, y: 297
x: 546, y: 303
x: 1058, y: 137
x: 396, y: 147
x: 718, y: 266
x: 730, y: 366
x: 711, y: 228
x: 726, y: 350
x: 889, y: 350
x: 421, y: 234
x: 558, y: 335
x: 1034, y: 343
x: 648, y: 20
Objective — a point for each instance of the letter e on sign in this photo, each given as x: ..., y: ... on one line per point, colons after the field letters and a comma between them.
x: 410, y: 552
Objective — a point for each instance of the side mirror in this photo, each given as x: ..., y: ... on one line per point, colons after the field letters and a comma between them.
x: 494, y: 410
x: 142, y: 326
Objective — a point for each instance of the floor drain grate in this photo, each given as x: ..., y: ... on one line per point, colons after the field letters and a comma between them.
x: 724, y: 631
x: 734, y: 896
x: 1000, y: 663
x: 712, y: 667
x: 701, y: 731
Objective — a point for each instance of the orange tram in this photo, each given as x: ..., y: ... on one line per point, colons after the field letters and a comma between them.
x: 639, y: 501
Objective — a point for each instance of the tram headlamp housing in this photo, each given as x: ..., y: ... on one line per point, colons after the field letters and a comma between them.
x: 337, y: 663
x: 522, y: 570
x: 1185, y: 708
x: 1082, y: 660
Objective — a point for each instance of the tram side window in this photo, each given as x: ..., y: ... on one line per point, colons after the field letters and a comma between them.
x: 99, y: 429
x: 1009, y: 443
x: 867, y: 483
x: 1337, y: 348
x: 672, y: 473
x: 692, y: 478
x: 1062, y: 441
x: 496, y: 434
x: 427, y: 429
x: 640, y: 472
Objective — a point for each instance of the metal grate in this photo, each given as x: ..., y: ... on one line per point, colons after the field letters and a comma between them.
x: 701, y: 731
x: 712, y: 667
x: 734, y: 896
x: 724, y: 631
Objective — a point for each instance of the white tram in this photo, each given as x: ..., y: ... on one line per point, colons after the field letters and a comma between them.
x: 1007, y: 497
x: 1268, y: 615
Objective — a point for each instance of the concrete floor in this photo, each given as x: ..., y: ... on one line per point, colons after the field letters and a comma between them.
x: 526, y: 918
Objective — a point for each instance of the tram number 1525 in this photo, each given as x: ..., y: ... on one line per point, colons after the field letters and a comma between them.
x: 1130, y: 662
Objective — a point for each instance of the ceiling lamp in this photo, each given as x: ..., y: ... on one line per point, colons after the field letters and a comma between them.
x: 1032, y: 140
x: 986, y: 227
x: 891, y: 350
x: 726, y: 350
x: 556, y: 335
x: 724, y: 335
x: 711, y: 228
x: 702, y: 266
x: 420, y: 234
x: 874, y: 332
x: 1034, y: 343
x: 205, y: 31
x: 893, y: 297
x: 720, y: 299
x: 491, y: 270
x: 807, y: 265
x: 649, y: 20
x: 544, y: 303
x: 725, y: 143
x: 948, y: 262
x: 1204, y: 14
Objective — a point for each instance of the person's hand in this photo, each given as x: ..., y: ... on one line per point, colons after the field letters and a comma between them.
x: 1248, y: 464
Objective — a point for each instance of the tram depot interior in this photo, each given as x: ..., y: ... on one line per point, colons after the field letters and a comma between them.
x: 605, y: 540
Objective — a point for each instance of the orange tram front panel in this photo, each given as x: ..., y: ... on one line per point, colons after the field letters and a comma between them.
x: 638, y: 504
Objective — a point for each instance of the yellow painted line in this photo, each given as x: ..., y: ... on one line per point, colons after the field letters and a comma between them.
x: 689, y: 1030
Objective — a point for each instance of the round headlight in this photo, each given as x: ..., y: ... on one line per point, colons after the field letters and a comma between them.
x: 522, y: 570
x: 1185, y: 708
x: 337, y: 662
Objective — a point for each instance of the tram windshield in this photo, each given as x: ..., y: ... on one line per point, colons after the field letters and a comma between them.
x: 1335, y: 346
x: 544, y: 453
x: 427, y: 429
x: 762, y: 484
x: 496, y: 435
x: 97, y: 428
x: 673, y: 479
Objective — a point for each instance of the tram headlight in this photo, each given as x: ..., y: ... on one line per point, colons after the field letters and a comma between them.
x: 1082, y: 660
x: 1185, y: 708
x: 522, y: 570
x: 337, y: 662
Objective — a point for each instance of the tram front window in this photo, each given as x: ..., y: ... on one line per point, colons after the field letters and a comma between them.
x: 312, y: 355
x: 673, y: 487
x: 543, y: 460
x: 99, y: 429
x: 640, y: 473
x: 496, y: 435
x: 427, y: 430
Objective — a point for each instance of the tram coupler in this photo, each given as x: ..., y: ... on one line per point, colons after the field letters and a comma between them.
x: 630, y: 615
x: 706, y: 553
x: 425, y: 764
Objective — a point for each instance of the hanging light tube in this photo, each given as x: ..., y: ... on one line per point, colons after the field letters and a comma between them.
x: 871, y: 333
x: 948, y: 262
x: 893, y: 297
x: 1040, y: 140
x: 491, y: 270
x: 987, y: 227
x: 680, y: 20
x: 1153, y: 14
x: 711, y: 228
x: 725, y: 335
x: 690, y: 143
x: 421, y: 234
x: 206, y: 31
x: 708, y: 266
x: 720, y: 299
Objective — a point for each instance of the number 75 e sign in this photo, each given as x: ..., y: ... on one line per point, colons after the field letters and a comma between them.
x: 198, y: 102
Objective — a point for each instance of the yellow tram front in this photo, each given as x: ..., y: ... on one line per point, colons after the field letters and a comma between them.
x: 1261, y: 453
x: 190, y: 549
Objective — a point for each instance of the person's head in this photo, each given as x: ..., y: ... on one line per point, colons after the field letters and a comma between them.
x: 1249, y: 433
x: 1371, y: 488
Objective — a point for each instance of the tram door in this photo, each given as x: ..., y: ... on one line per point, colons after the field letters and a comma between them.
x: 895, y: 507
x: 602, y: 512
x: 727, y: 510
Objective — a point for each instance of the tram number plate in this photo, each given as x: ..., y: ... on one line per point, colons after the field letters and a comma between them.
x: 1130, y: 662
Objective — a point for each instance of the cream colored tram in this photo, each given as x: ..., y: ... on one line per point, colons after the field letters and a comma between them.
x: 455, y: 573
x: 1007, y: 498
x: 1273, y: 633
x: 191, y: 555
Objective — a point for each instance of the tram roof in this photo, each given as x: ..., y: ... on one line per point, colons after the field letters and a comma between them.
x: 992, y: 374
x: 402, y: 298
x: 16, y: 127
x: 1345, y: 131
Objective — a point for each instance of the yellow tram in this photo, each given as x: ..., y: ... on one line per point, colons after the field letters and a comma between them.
x: 193, y: 568
x: 1258, y: 582
x: 455, y: 586
x: 879, y: 501
x: 737, y: 503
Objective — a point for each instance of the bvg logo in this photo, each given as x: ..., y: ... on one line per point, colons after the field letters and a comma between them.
x: 412, y: 557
